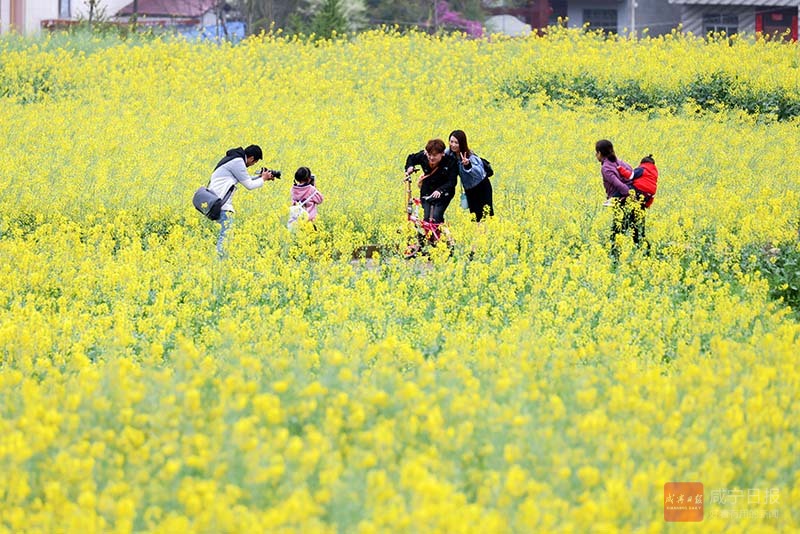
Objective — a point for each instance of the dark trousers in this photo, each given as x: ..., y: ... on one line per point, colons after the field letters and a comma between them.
x: 479, y: 197
x: 433, y: 210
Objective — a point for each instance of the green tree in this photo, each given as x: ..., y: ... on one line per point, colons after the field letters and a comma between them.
x: 322, y: 17
x: 404, y: 14
x: 470, y: 9
x: 264, y: 14
x: 306, y: 16
x: 299, y: 16
x: 418, y: 13
x: 329, y: 19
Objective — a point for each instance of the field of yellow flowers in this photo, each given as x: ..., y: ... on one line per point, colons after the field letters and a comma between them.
x: 525, y: 383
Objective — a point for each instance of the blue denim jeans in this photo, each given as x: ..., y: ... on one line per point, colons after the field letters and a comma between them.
x: 225, y: 223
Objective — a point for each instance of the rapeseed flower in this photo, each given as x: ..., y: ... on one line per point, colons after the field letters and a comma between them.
x: 517, y: 381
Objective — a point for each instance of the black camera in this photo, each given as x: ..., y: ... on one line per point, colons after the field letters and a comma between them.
x: 275, y: 174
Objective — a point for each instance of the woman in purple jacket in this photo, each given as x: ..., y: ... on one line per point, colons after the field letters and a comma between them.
x: 626, y: 214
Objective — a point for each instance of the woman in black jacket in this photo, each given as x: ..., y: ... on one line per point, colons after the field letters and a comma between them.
x: 438, y: 183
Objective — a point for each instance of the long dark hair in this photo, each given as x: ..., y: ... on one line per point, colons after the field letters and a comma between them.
x: 461, y: 137
x: 606, y: 149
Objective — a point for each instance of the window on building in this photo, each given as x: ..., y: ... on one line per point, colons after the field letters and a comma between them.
x: 717, y: 23
x: 605, y: 19
x: 63, y: 9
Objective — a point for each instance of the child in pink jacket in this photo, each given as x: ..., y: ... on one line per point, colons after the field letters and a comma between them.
x: 305, y: 197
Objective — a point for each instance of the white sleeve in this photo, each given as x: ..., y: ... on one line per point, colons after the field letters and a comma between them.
x: 239, y: 171
x: 252, y: 183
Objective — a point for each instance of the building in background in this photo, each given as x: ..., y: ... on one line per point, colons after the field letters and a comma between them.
x: 31, y: 16
x: 618, y: 16
x: 612, y: 16
x: 767, y: 17
x: 659, y: 17
x: 181, y: 12
x: 26, y: 16
x: 213, y: 19
x: 615, y: 16
x: 517, y: 19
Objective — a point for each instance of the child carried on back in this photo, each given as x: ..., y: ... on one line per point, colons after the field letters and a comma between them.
x: 305, y: 197
x: 643, y: 179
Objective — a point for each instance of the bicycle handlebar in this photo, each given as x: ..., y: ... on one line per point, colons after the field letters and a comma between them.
x: 408, y: 175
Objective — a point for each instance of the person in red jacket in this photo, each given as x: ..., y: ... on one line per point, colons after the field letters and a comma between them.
x: 643, y: 178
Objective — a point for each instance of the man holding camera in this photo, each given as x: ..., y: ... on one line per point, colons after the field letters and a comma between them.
x: 231, y: 171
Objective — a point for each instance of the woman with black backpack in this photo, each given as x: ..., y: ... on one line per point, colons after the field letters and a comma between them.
x: 474, y: 172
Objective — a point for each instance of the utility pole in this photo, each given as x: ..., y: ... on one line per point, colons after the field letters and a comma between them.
x: 633, y: 18
x: 135, y: 17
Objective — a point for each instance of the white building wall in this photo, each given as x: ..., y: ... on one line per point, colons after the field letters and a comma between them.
x: 111, y: 7
x: 5, y: 15
x: 36, y: 12
x: 210, y: 19
x: 658, y: 16
x: 692, y: 17
x: 575, y: 12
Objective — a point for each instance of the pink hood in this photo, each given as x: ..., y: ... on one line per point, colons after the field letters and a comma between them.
x: 310, y: 195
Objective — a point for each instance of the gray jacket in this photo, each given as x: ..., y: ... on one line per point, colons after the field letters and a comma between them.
x: 232, y: 172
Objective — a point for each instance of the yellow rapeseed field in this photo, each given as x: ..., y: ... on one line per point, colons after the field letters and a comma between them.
x: 524, y: 384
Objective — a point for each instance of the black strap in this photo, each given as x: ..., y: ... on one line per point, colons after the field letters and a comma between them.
x: 231, y: 157
x: 228, y: 194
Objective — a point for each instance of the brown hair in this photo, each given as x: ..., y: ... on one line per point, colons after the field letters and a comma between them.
x: 435, y: 146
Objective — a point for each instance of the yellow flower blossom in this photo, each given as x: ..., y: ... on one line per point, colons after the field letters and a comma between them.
x: 516, y: 381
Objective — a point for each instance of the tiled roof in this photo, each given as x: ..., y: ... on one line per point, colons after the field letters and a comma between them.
x: 169, y: 8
